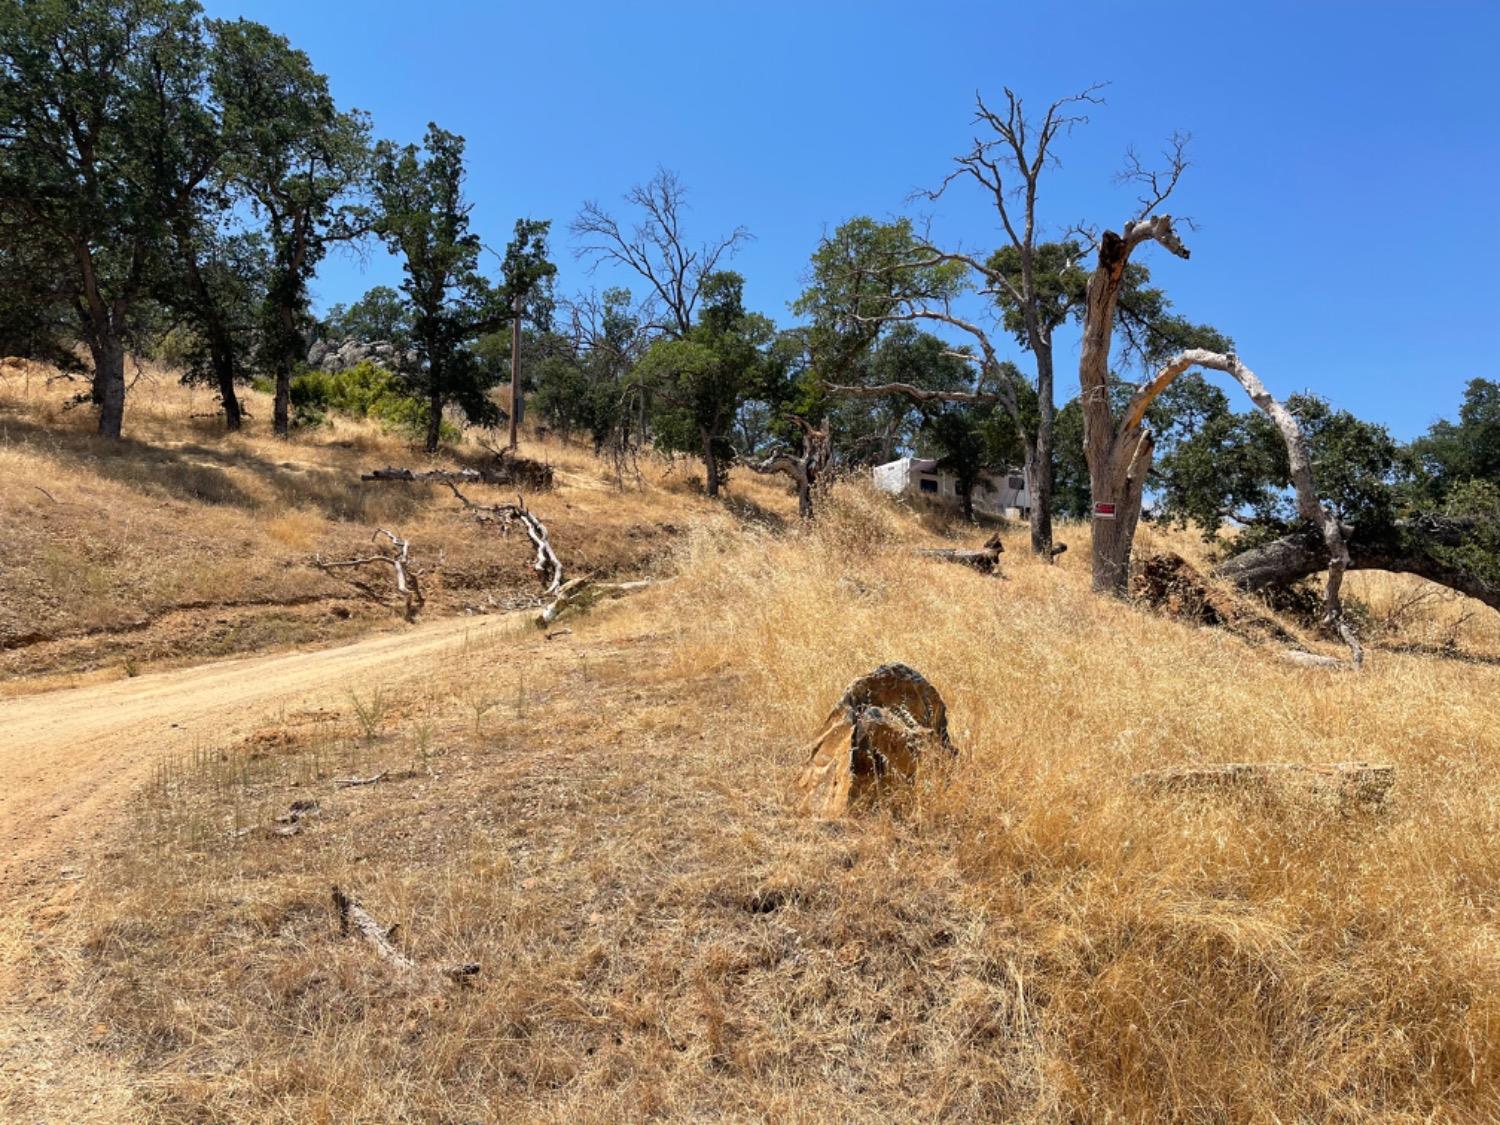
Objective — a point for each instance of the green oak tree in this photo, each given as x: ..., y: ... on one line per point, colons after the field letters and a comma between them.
x: 698, y: 382
x: 93, y: 95
x: 299, y: 160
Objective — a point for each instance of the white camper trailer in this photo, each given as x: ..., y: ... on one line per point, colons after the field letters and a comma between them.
x: 995, y: 494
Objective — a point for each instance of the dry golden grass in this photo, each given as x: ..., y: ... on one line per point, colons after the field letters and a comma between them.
x: 604, y: 821
x: 183, y: 542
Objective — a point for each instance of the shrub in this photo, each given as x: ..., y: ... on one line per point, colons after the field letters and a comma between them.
x: 361, y: 391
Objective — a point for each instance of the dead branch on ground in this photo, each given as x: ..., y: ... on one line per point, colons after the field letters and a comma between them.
x: 583, y: 592
x: 408, y: 584
x: 353, y: 915
x: 547, y: 565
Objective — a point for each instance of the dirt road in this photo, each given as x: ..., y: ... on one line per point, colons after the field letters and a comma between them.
x: 68, y: 762
x: 68, y: 758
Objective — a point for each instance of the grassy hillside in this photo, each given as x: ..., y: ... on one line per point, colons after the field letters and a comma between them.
x: 183, y: 543
x: 603, y: 821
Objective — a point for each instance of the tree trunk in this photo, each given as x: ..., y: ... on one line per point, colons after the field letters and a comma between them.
x: 220, y: 347
x: 515, y: 376
x: 967, y: 500
x: 224, y: 373
x: 281, y: 415
x: 285, y: 358
x: 434, y: 422
x: 1038, y: 471
x: 710, y: 465
x: 105, y: 346
x: 1118, y: 461
x: 1406, y: 550
x: 1039, y: 462
x: 108, y: 352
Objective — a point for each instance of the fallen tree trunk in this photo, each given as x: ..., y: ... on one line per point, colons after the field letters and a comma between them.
x: 984, y: 559
x: 473, y: 476
x: 508, y: 469
x: 1358, y: 782
x: 1407, y: 549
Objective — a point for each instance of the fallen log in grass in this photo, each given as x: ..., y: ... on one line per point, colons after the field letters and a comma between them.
x: 1315, y: 660
x: 1357, y: 782
x: 982, y: 559
x: 354, y: 916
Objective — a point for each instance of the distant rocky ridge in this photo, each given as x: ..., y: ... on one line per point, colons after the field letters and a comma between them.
x: 340, y: 355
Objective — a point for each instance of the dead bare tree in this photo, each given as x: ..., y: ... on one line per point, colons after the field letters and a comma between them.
x: 656, y: 248
x: 805, y: 469
x: 1128, y: 460
x: 408, y: 583
x: 1008, y: 165
x: 1119, y: 454
x: 1006, y: 161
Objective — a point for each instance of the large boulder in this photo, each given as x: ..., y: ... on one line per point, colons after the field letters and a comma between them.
x: 874, y: 741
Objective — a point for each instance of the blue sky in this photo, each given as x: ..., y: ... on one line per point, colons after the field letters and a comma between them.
x: 1346, y: 156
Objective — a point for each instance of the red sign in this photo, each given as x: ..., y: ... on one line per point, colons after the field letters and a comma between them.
x: 1104, y: 511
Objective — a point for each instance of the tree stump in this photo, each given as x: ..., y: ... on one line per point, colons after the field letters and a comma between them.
x: 874, y: 740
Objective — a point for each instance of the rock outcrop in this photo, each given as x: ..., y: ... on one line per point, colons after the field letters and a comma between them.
x: 340, y: 355
x: 874, y: 741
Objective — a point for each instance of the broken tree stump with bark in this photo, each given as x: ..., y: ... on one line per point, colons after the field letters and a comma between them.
x: 874, y: 740
x: 1353, y: 782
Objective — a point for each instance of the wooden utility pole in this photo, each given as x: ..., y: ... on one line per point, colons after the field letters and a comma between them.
x: 515, y: 372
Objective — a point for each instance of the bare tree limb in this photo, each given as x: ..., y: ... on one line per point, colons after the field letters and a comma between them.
x: 547, y: 565
x: 354, y: 916
x: 1309, y: 505
x: 914, y: 392
x: 408, y: 584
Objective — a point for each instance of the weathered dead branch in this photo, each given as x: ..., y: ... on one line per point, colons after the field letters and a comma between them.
x: 354, y: 916
x: 350, y: 782
x: 547, y: 565
x: 1357, y: 782
x: 581, y: 593
x: 408, y: 584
